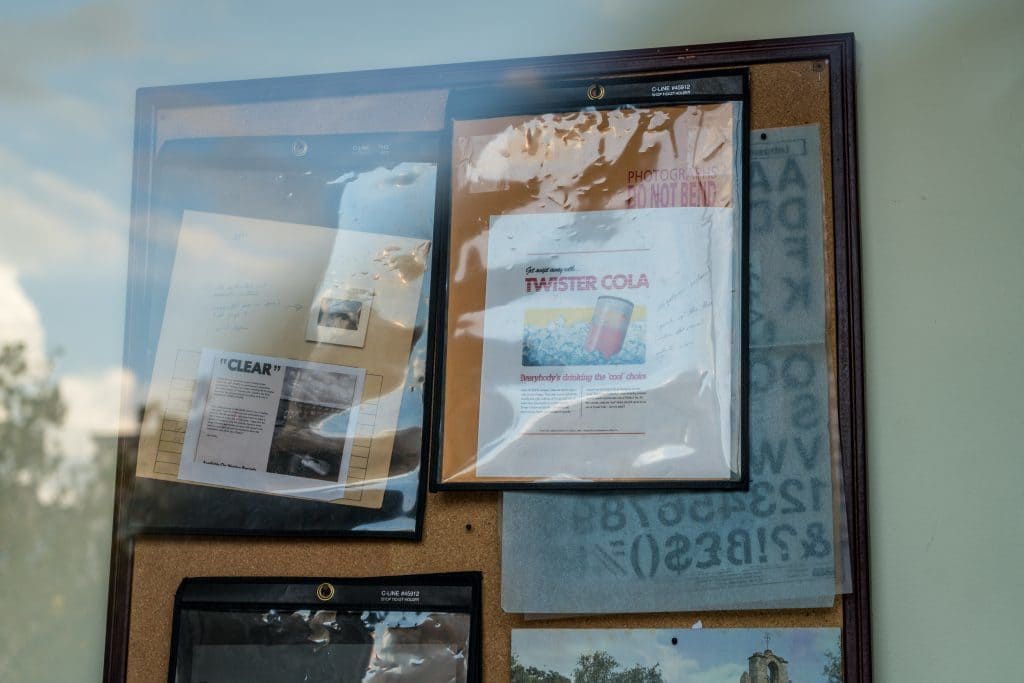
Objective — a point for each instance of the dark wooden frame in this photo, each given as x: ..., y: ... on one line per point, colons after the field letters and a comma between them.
x: 838, y: 49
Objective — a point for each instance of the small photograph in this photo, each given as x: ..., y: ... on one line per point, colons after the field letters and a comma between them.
x: 340, y: 313
x: 312, y: 424
x: 610, y: 333
x: 796, y: 655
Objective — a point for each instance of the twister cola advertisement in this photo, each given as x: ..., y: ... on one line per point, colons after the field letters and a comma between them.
x: 607, y: 345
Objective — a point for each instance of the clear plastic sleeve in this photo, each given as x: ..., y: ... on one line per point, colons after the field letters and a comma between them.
x: 280, y: 311
x: 595, y: 294
x: 387, y: 630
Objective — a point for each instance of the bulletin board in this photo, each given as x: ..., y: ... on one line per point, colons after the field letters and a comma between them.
x: 793, y: 82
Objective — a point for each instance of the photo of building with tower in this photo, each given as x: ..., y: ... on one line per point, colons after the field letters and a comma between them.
x: 766, y: 667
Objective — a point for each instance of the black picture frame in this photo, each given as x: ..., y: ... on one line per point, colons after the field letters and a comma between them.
x: 184, y: 175
x: 451, y: 593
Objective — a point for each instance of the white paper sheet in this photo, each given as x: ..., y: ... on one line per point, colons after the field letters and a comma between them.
x: 263, y: 423
x: 608, y: 345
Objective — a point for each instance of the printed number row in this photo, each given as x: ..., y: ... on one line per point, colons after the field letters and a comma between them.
x: 793, y: 496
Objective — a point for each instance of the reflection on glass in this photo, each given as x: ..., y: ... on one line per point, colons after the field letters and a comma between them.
x: 260, y: 257
x: 55, y: 509
x: 322, y: 647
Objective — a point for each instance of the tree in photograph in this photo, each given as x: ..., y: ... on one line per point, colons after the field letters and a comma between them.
x: 594, y: 667
x: 601, y: 667
x: 597, y: 667
x: 833, y: 670
x: 640, y: 674
x: 531, y: 674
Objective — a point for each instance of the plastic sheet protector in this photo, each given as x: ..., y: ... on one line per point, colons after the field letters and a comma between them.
x: 595, y: 291
x: 415, y: 629
x: 771, y: 546
x: 289, y: 357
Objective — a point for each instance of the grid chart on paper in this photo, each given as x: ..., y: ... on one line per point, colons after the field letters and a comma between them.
x: 175, y: 420
x: 365, y: 426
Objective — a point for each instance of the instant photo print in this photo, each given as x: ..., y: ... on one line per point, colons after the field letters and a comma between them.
x: 341, y: 317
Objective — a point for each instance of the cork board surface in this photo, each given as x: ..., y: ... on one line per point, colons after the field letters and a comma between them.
x: 461, y: 530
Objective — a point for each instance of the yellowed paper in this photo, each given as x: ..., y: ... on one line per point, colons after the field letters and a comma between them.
x: 261, y: 287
